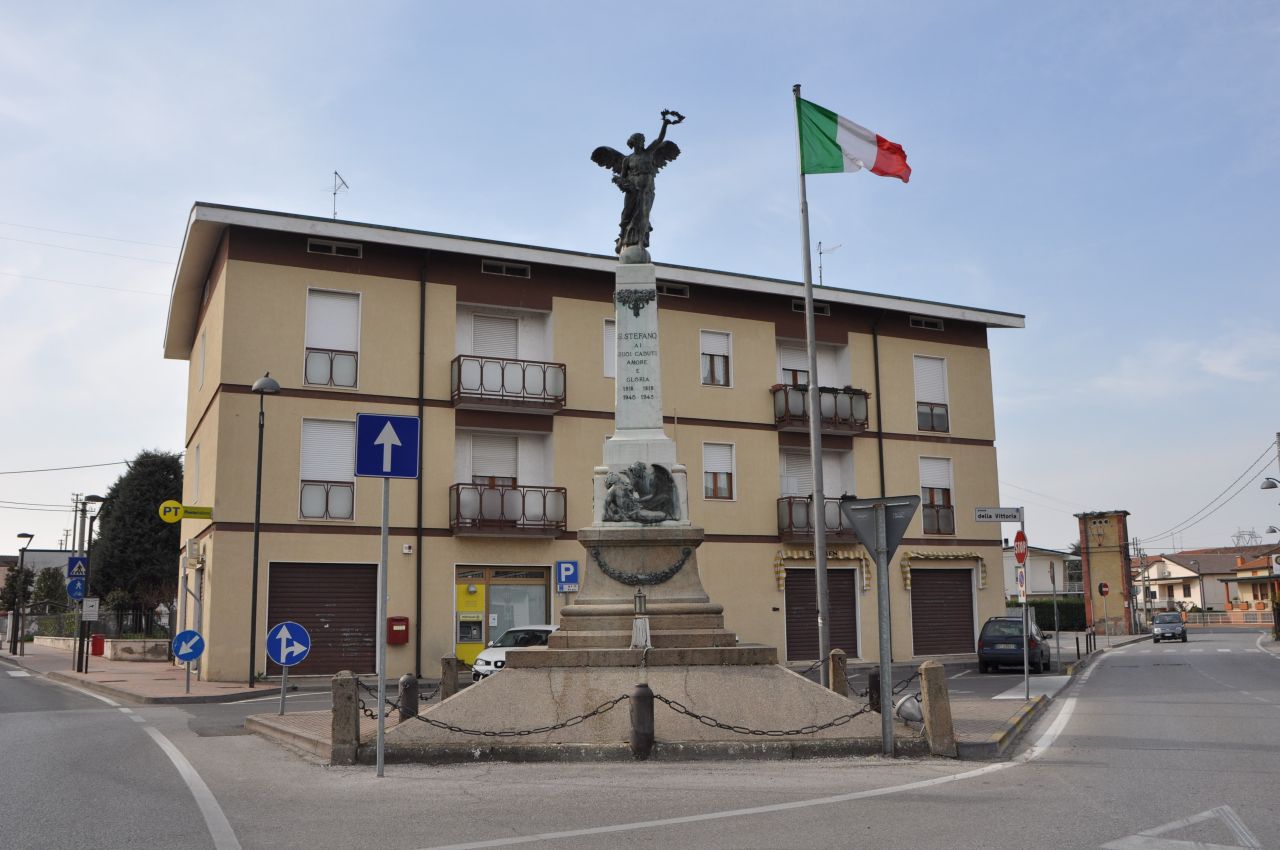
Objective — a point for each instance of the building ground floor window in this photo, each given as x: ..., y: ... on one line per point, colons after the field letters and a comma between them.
x: 492, y: 599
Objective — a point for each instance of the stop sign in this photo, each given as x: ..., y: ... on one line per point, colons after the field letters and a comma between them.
x: 1103, y: 588
x: 1020, y: 547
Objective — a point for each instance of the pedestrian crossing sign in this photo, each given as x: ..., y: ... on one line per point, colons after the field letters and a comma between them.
x: 77, y: 567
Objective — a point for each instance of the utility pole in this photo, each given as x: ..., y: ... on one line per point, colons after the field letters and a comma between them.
x: 78, y: 664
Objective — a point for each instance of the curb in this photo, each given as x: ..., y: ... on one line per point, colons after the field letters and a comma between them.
x: 996, y: 746
x: 266, y: 727
x: 130, y: 696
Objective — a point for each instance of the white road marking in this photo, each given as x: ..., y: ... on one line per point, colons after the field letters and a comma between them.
x: 224, y: 837
x: 98, y: 697
x: 1039, y: 685
x: 1041, y: 746
x: 1224, y: 650
x: 124, y: 710
x: 1149, y: 839
x: 961, y: 673
x: 18, y: 674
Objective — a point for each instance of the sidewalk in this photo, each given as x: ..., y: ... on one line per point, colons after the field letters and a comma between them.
x: 133, y: 681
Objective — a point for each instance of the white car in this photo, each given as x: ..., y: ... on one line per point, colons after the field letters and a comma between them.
x: 494, y: 658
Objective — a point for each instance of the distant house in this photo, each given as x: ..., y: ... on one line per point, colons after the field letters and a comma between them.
x: 1205, y: 578
x: 1047, y: 569
x: 1254, y: 585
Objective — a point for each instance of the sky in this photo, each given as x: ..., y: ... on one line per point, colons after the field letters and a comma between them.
x: 1107, y: 170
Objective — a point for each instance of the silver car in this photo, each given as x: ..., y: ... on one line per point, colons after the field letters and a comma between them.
x: 1168, y: 627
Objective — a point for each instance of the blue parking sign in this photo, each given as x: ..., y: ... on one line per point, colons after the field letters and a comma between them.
x: 567, y: 577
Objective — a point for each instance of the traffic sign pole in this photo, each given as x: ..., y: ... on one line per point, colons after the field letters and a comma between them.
x: 1021, y: 540
x: 381, y: 625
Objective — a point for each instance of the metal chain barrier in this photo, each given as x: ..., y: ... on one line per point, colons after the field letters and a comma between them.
x: 706, y: 720
x: 902, y: 686
x: 600, y: 709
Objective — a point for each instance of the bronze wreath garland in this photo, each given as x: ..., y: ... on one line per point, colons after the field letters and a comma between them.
x: 634, y: 579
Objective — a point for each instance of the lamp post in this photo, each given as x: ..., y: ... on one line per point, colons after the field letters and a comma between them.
x: 82, y: 630
x: 264, y: 386
x: 16, y: 643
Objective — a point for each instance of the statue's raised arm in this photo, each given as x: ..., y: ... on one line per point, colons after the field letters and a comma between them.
x: 634, y: 174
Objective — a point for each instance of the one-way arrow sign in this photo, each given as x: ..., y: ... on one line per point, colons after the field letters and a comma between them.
x: 387, y: 446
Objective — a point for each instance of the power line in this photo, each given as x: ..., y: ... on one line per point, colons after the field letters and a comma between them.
x: 1182, y: 526
x: 33, y: 504
x: 66, y: 510
x: 63, y: 468
x: 86, y: 285
x: 87, y: 250
x: 1228, y: 500
x: 1073, y: 505
x: 87, y: 235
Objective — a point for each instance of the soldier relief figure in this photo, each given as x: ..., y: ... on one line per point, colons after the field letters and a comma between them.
x: 640, y: 493
x: 634, y: 174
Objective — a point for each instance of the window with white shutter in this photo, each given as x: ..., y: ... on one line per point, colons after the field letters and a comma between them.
x: 332, y: 338
x: 715, y: 347
x: 495, y: 336
x: 327, y: 469
x: 493, y: 459
x: 609, y: 345
x: 797, y: 474
x: 931, y: 394
x: 793, y: 366
x: 717, y: 471
x: 936, y: 508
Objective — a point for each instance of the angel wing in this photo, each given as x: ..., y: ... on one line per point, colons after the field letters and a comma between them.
x: 665, y: 152
x: 606, y: 157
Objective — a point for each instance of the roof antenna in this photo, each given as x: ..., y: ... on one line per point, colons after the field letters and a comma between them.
x: 830, y: 250
x: 339, y: 185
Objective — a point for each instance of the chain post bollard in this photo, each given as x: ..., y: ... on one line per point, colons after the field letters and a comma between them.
x: 448, y: 676
x: 408, y: 696
x: 839, y: 672
x: 873, y: 689
x: 345, y: 728
x: 642, y: 729
x: 935, y: 705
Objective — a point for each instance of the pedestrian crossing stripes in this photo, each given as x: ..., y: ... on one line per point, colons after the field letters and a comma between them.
x: 17, y: 674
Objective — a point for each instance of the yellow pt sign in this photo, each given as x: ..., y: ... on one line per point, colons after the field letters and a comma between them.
x: 172, y: 511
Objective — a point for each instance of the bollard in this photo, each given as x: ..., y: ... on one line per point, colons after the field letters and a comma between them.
x: 873, y: 689
x: 838, y: 672
x: 408, y: 696
x: 448, y: 676
x: 935, y: 702
x: 641, y: 722
x: 345, y: 728
x: 1077, y: 647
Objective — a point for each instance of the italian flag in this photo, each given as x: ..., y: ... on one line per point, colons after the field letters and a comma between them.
x: 831, y: 143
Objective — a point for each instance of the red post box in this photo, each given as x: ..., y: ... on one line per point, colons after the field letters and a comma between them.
x: 97, y: 644
x: 397, y: 630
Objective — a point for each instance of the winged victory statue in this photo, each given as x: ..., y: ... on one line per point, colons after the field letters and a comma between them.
x: 634, y: 174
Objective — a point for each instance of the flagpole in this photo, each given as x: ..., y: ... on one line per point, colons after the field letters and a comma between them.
x: 818, y: 506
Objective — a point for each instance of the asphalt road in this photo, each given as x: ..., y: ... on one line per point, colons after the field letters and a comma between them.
x: 1178, y: 741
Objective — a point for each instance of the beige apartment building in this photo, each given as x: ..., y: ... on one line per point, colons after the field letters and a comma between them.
x: 506, y: 353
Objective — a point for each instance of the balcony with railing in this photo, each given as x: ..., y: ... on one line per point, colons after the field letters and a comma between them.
x: 795, y: 523
x: 843, y: 410
x: 498, y: 383
x: 502, y: 510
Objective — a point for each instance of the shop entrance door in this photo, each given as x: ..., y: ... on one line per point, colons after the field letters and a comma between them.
x: 491, y: 600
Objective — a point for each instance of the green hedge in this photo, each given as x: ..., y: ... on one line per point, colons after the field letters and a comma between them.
x: 1070, y: 614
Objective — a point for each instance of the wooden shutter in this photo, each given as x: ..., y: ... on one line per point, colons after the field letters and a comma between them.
x: 328, y: 450
x: 931, y: 379
x: 333, y: 320
x: 495, y: 336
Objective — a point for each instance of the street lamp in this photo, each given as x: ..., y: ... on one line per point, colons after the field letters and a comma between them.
x: 1204, y: 603
x: 82, y: 633
x: 16, y: 643
x: 264, y: 386
x: 1269, y: 484
x: 1271, y: 529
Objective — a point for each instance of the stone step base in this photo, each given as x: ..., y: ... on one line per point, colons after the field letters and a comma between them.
x: 657, y: 622
x: 659, y: 638
x: 699, y: 656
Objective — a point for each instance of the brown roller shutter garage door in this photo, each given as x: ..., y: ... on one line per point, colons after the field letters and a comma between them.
x: 802, y: 613
x: 337, y: 605
x: 941, y: 611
